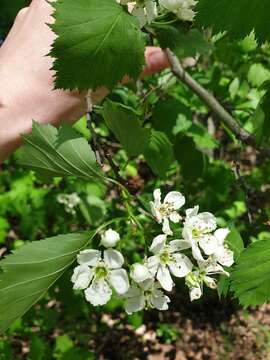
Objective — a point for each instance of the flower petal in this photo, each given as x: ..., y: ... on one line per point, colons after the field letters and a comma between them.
x: 139, y: 272
x: 166, y: 227
x: 178, y: 245
x: 89, y: 257
x: 221, y: 235
x: 81, y: 278
x: 181, y: 266
x: 195, y: 293
x: 152, y: 264
x: 159, y: 301
x: 224, y: 256
x: 158, y: 243
x: 119, y: 280
x: 155, y: 212
x: 175, y: 198
x: 209, y: 244
x: 113, y: 259
x: 210, y: 282
x: 175, y: 217
x: 134, y: 304
x: 164, y: 278
x: 196, y: 252
x: 157, y: 197
x: 192, y: 211
x: 99, y: 293
x: 110, y: 238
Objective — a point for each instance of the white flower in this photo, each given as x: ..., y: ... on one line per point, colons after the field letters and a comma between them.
x: 145, y: 294
x: 197, y: 232
x: 163, y: 212
x: 223, y: 254
x: 97, y: 275
x: 70, y: 201
x: 195, y: 281
x: 182, y: 8
x: 145, y: 11
x: 167, y: 260
x: 110, y: 238
x: 139, y: 272
x: 195, y: 293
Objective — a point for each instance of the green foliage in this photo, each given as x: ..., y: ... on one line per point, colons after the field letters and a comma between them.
x: 251, y: 277
x: 51, y: 152
x: 93, y: 37
x: 235, y: 242
x: 126, y: 126
x: 238, y: 18
x: 31, y: 270
x: 261, y: 119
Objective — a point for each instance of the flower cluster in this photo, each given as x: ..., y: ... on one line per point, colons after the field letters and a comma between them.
x: 147, y: 10
x: 199, y: 253
x: 70, y: 201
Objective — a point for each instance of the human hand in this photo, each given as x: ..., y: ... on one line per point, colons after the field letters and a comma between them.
x: 27, y: 82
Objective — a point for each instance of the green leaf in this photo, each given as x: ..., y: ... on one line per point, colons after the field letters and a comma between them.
x: 238, y: 18
x: 183, y: 43
x: 251, y: 277
x: 32, y: 269
x: 159, y: 153
x: 124, y: 122
x: 201, y: 136
x: 98, y: 43
x: 235, y: 242
x: 190, y: 159
x: 51, y: 152
x: 258, y: 74
x: 261, y: 119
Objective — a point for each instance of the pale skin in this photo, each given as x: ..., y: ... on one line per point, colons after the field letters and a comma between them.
x: 26, y: 81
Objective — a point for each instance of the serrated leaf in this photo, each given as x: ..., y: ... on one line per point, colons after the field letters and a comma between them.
x: 32, y: 269
x: 159, y: 153
x: 124, y: 122
x: 235, y: 242
x: 98, y: 43
x: 183, y: 43
x: 261, y: 119
x: 251, y: 276
x: 52, y: 152
x: 238, y: 18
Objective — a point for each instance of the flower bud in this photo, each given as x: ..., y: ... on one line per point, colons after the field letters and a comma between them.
x: 110, y: 238
x: 139, y: 272
x: 195, y: 293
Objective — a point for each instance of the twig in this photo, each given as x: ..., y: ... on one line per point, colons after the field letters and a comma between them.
x: 214, y: 104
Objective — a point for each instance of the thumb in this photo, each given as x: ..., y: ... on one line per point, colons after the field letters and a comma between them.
x: 155, y: 59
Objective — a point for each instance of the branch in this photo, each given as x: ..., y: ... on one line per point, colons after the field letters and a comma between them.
x: 213, y: 104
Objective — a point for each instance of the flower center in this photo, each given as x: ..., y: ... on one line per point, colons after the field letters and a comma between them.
x: 196, y: 233
x: 164, y: 257
x: 166, y: 209
x: 100, y: 272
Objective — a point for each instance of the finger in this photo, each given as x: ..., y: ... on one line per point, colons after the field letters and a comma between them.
x: 156, y: 61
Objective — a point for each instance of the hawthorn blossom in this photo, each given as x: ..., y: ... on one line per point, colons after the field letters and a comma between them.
x: 183, y: 9
x: 145, y: 11
x: 195, y: 281
x: 167, y: 260
x: 109, y: 238
x: 163, y: 212
x: 197, y: 233
x: 70, y: 201
x: 97, y: 275
x: 147, y: 294
x: 139, y: 272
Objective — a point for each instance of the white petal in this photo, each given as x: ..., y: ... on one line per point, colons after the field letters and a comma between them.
x: 175, y: 217
x: 99, y: 293
x: 178, y: 245
x: 209, y: 244
x: 119, y: 280
x: 166, y: 227
x: 159, y: 301
x: 211, y: 267
x: 133, y: 291
x: 206, y: 222
x: 151, y: 10
x: 89, y: 257
x: 147, y: 284
x: 152, y: 264
x: 192, y: 211
x: 196, y: 252
x: 210, y: 282
x: 155, y: 212
x: 110, y: 238
x: 181, y: 266
x: 176, y: 199
x: 224, y: 256
x: 158, y: 243
x: 195, y: 293
x: 113, y: 259
x: 139, y: 272
x: 139, y: 12
x: 134, y: 304
x: 81, y: 277
x: 164, y: 278
x: 221, y: 235
x: 157, y: 197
